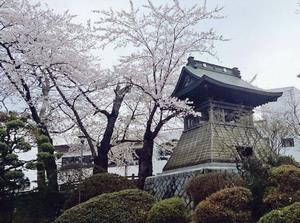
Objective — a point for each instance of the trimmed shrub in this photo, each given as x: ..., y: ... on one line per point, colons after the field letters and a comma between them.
x: 201, y: 186
x: 98, y: 184
x: 283, y: 169
x: 168, y: 211
x: 289, y: 214
x: 119, y: 207
x: 284, y: 187
x: 38, y: 207
x: 230, y: 205
x: 275, y: 198
x: 287, y: 160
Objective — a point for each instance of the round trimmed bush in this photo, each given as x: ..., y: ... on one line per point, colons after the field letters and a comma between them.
x: 287, y: 160
x: 168, y: 211
x: 289, y: 214
x: 98, y: 184
x: 126, y: 206
x: 201, y: 186
x: 283, y: 169
x: 230, y: 205
x: 275, y: 198
x: 284, y: 187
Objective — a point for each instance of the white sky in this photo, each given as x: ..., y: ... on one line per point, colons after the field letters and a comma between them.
x: 265, y: 35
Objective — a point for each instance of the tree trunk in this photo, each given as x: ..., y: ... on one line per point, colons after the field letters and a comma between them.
x: 51, y: 170
x: 100, y: 162
x: 105, y: 145
x: 41, y: 177
x: 145, y: 159
x: 6, y: 208
x: 50, y: 166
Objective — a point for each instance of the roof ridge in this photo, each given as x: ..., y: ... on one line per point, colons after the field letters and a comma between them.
x: 213, y: 67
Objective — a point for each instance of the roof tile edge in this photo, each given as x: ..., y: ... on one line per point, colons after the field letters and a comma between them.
x: 213, y: 67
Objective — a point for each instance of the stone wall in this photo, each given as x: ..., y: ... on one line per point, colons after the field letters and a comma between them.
x: 173, y: 184
x: 168, y: 185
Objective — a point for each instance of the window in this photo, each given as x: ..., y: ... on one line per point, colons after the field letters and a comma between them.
x: 191, y: 122
x: 287, y: 142
x: 87, y: 159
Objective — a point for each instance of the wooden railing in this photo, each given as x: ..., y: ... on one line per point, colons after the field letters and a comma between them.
x: 132, y: 177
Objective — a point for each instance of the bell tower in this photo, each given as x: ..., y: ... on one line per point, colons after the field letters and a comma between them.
x: 224, y: 133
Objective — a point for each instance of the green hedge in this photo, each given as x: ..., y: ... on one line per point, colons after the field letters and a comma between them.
x: 284, y: 187
x: 201, y: 186
x: 289, y: 214
x: 98, y: 184
x: 168, y: 211
x: 231, y: 205
x: 286, y: 160
x: 38, y: 207
x: 127, y: 206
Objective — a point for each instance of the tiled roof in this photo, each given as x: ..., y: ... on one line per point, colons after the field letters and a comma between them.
x: 215, y: 143
x: 221, y: 77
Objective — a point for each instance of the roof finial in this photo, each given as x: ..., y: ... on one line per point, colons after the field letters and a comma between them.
x: 236, y: 72
x: 191, y: 60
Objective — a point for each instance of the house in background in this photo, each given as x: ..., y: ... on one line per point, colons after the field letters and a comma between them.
x: 286, y: 107
x: 123, y: 159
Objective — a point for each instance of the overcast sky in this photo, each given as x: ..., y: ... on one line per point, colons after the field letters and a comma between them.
x: 264, y: 35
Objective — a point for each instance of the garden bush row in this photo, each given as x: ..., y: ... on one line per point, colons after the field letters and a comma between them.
x: 96, y: 185
x: 235, y: 204
x: 218, y: 197
x: 201, y: 186
x: 126, y: 206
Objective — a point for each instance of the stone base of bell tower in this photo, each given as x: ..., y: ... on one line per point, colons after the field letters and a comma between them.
x: 173, y: 183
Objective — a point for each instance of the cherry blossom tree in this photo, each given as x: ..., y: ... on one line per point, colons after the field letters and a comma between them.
x: 48, y: 59
x: 93, y: 109
x: 22, y: 35
x: 160, y: 39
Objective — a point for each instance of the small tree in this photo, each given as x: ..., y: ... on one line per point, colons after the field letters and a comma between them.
x: 12, y: 180
x: 274, y: 128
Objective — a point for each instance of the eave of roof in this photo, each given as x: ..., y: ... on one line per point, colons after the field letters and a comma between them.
x: 221, y: 80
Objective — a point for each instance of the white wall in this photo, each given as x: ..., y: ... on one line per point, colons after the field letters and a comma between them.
x: 291, y: 96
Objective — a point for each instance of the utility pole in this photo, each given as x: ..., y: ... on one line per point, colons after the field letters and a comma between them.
x: 82, y: 139
x: 204, y: 6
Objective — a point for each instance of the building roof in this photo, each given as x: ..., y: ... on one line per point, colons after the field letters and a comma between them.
x: 200, y: 79
x: 215, y: 142
x: 64, y: 148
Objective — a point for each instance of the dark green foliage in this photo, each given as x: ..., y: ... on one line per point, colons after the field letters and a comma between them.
x: 96, y: 185
x: 22, y: 145
x: 127, y: 206
x: 286, y: 160
x: 201, y: 186
x: 14, y: 124
x: 42, y: 139
x: 256, y: 173
x: 284, y: 187
x: 44, y: 156
x: 3, y: 147
x: 6, y: 207
x: 38, y: 207
x: 31, y: 165
x: 46, y: 164
x: 230, y: 205
x: 171, y: 210
x: 47, y: 147
x: 289, y: 214
x: 12, y: 178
